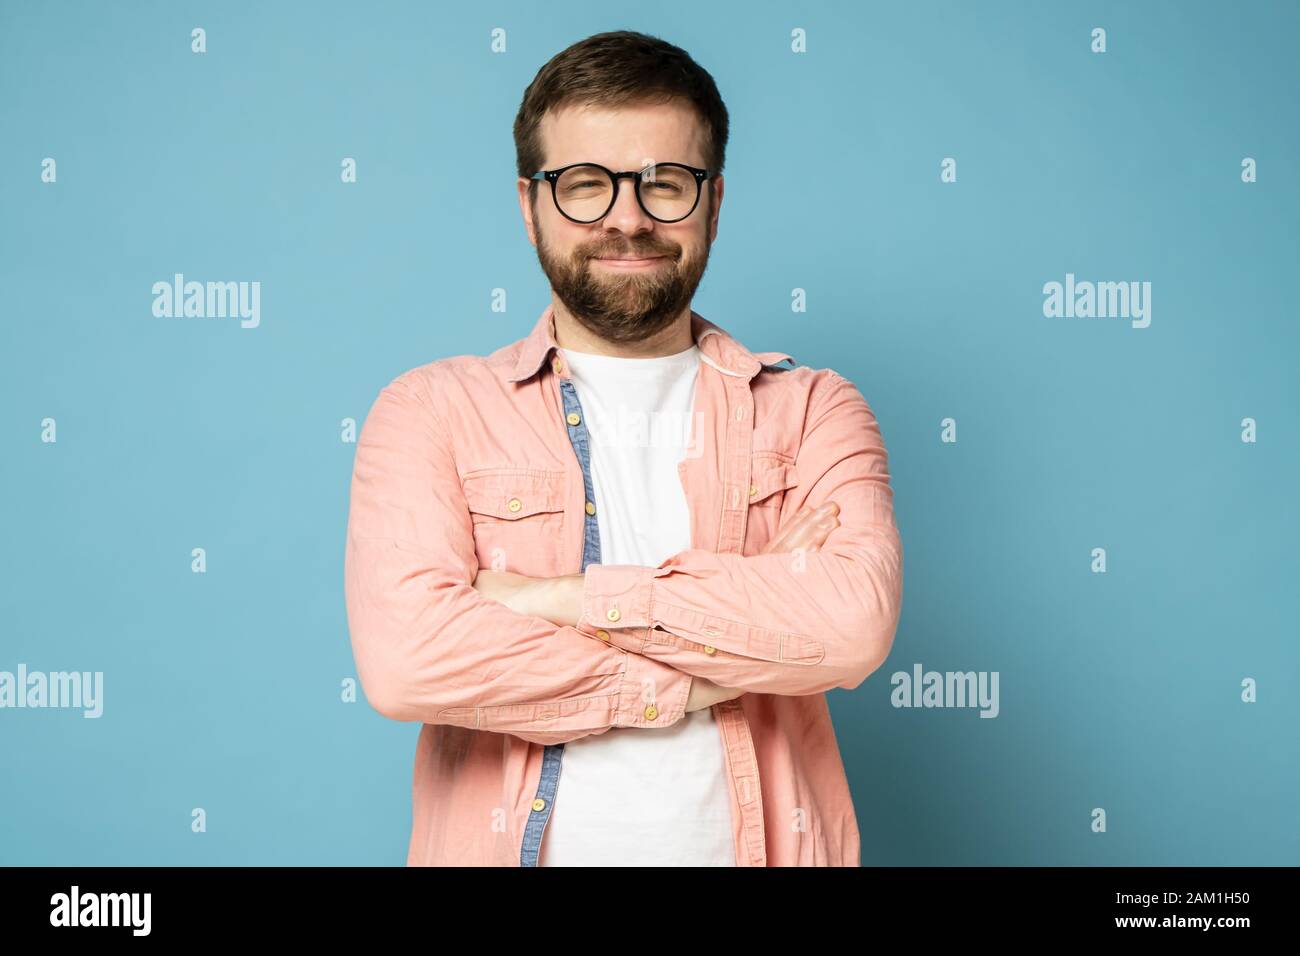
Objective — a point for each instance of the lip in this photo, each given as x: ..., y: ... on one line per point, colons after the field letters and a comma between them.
x: 627, y: 264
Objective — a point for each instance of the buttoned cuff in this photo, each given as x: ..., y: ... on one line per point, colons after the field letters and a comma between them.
x: 617, y: 602
x: 652, y: 694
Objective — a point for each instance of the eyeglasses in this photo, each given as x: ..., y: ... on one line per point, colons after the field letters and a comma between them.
x: 585, y: 192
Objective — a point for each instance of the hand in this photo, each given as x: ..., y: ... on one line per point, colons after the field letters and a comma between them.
x: 505, y: 587
x: 808, y: 530
x: 558, y: 599
x: 704, y: 693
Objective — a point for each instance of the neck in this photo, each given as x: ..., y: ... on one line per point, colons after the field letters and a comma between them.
x: 572, y: 334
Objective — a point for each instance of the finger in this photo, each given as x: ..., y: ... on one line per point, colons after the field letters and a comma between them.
x: 809, y: 517
x: 803, y: 538
x: 781, y: 541
x: 803, y: 528
x: 815, y: 534
x: 823, y: 531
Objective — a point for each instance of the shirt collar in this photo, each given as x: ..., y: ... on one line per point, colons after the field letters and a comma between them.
x: 717, y: 349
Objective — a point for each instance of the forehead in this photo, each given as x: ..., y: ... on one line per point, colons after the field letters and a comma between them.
x: 626, y: 137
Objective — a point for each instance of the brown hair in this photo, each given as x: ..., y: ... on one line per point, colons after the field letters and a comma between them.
x: 616, y: 69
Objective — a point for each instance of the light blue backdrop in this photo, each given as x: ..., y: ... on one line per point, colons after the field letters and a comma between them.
x: 222, y: 690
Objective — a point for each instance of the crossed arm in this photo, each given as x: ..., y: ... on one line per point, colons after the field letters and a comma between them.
x: 560, y: 600
x: 430, y: 645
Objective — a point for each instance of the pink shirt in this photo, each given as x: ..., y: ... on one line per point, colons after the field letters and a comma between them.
x: 466, y: 462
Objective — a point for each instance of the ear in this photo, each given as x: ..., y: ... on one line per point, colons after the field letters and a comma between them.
x: 715, y: 204
x: 526, y: 207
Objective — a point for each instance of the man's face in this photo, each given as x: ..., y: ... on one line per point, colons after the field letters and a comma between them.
x: 628, y: 301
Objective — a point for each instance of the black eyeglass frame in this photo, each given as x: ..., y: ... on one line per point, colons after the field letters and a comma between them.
x: 552, y: 176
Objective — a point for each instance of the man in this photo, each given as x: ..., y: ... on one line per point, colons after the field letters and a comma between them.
x: 614, y: 566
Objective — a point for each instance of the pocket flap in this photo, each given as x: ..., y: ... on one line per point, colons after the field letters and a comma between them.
x: 512, y: 494
x: 768, y: 476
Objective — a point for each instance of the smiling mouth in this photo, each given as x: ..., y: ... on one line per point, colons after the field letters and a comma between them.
x: 620, y: 262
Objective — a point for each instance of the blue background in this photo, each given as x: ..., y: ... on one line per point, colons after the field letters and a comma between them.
x: 1118, y: 690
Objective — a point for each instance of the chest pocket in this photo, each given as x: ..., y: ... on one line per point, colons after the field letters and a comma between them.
x: 518, y: 518
x: 771, y: 477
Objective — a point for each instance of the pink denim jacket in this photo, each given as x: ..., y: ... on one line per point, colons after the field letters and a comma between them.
x: 468, y: 461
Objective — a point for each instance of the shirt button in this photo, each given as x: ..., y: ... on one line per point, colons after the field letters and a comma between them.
x: 603, y: 634
x: 753, y: 490
x: 709, y: 650
x: 613, y: 614
x: 651, y: 712
x: 557, y: 365
x: 573, y: 418
x: 539, y: 804
x: 514, y: 504
x: 591, y: 507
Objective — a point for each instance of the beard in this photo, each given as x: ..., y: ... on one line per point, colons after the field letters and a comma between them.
x: 623, y: 307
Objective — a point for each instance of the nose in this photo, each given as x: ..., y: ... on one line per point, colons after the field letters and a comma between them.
x: 626, y: 215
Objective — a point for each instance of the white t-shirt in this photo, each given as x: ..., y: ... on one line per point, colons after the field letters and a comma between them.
x: 636, y: 796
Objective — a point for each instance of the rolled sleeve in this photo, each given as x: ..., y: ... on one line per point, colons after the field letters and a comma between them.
x: 616, y: 604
